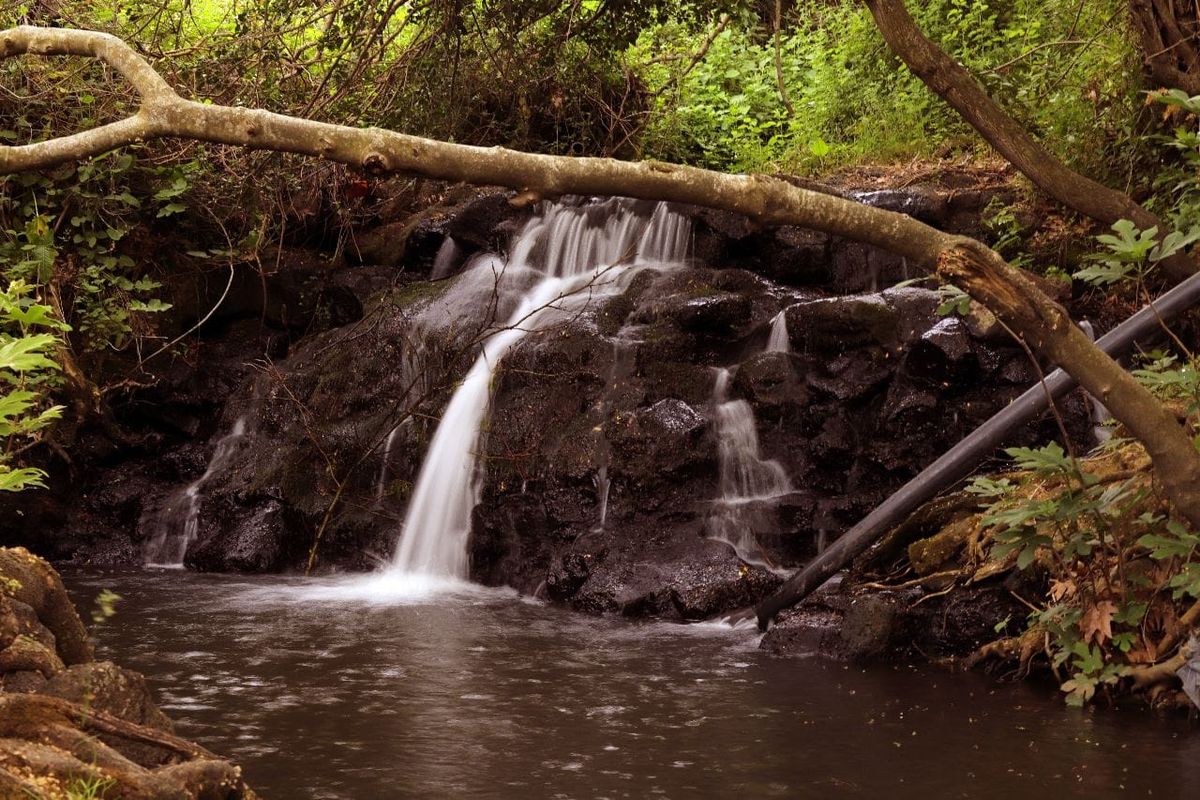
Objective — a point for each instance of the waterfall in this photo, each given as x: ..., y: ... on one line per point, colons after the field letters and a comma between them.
x: 565, y: 257
x: 603, y: 485
x: 381, y: 481
x: 749, y: 485
x: 778, y: 342
x: 446, y: 260
x: 177, y: 523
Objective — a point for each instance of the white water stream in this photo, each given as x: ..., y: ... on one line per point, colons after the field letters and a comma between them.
x: 563, y: 259
x: 750, y: 485
x: 778, y: 341
x: 177, y: 523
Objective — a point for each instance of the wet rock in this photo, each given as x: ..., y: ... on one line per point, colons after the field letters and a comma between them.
x: 567, y: 575
x: 671, y: 578
x: 922, y: 202
x: 840, y: 323
x: 385, y: 245
x: 769, y: 380
x: 612, y: 404
x: 667, y: 437
x: 797, y: 257
x: 857, y: 267
x: 870, y: 627
x: 487, y: 221
x: 714, y: 315
x: 812, y: 628
x: 255, y: 543
x: 90, y: 722
x: 105, y: 687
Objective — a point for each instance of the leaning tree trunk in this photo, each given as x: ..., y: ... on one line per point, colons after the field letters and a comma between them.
x: 1170, y: 49
x: 954, y: 84
x: 980, y: 271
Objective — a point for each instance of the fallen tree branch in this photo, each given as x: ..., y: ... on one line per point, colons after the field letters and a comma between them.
x: 980, y: 271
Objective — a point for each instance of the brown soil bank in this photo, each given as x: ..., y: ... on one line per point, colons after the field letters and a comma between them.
x: 71, y: 726
x: 1079, y: 574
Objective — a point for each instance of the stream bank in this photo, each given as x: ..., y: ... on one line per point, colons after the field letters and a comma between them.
x: 72, y: 726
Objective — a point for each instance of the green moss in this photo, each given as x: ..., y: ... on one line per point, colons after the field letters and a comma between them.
x: 419, y: 292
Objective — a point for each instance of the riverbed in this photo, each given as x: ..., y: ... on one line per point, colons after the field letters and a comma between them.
x: 365, y: 688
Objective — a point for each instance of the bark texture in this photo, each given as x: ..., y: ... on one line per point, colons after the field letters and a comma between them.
x: 980, y: 271
x: 954, y: 84
x: 1171, y: 52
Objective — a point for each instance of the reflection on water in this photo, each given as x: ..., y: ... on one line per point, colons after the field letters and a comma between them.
x: 321, y: 693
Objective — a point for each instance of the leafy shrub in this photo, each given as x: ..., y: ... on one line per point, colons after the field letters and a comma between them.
x: 854, y: 101
x: 29, y: 335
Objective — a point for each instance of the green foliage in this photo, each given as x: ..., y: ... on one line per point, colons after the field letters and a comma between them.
x: 104, y: 607
x: 1008, y: 233
x: 953, y: 300
x: 89, y: 788
x: 854, y: 101
x: 1131, y: 253
x: 29, y: 335
x: 65, y: 229
x: 1177, y: 190
x: 1093, y: 537
x: 1171, y: 378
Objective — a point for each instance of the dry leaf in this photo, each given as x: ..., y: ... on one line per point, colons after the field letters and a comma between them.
x: 1096, y: 624
x: 1060, y: 590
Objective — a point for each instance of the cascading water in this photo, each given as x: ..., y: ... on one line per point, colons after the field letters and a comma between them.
x: 381, y: 481
x: 177, y: 523
x: 447, y: 258
x: 563, y: 259
x: 778, y: 341
x: 750, y: 486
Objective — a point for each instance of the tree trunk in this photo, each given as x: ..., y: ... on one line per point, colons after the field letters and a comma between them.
x: 981, y: 272
x: 1170, y: 51
x: 951, y: 81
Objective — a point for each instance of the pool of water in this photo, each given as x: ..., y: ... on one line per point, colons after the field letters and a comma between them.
x: 359, y: 689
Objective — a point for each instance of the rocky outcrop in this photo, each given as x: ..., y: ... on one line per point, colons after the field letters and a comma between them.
x: 70, y: 725
x: 607, y: 414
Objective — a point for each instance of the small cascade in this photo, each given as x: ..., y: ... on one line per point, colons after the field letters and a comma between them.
x: 618, y: 373
x: 447, y: 258
x: 177, y: 523
x: 778, y: 341
x: 603, y: 484
x: 750, y: 486
x: 381, y: 481
x: 564, y: 258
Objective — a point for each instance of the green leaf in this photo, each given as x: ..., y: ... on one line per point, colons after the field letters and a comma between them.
x: 27, y: 353
x: 1103, y: 274
x: 1043, y: 460
x: 149, y: 306
x: 15, y: 480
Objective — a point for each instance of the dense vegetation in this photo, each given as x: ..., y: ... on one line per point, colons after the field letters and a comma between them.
x: 796, y: 88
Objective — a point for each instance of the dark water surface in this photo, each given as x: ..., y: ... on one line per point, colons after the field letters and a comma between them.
x: 321, y: 693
